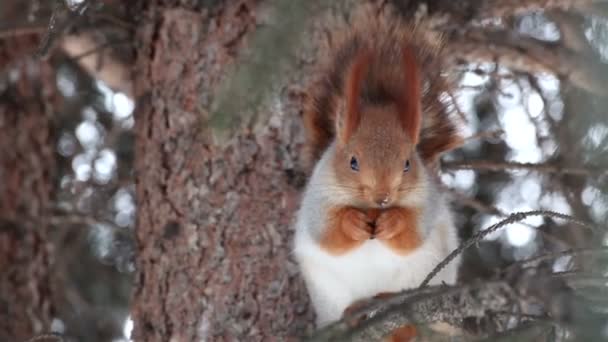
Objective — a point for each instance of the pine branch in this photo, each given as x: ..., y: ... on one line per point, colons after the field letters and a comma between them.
x: 452, y: 304
x: 516, y: 217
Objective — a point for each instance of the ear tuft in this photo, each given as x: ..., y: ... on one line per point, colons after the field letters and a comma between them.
x: 348, y: 121
x: 411, y: 115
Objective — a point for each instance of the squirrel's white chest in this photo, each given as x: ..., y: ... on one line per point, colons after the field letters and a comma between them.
x: 371, y: 268
x: 367, y: 270
x: 335, y: 282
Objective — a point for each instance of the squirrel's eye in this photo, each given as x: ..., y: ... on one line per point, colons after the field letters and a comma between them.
x: 354, y: 164
x: 406, y: 167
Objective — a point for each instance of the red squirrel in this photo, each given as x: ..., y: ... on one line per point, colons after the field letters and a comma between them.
x: 372, y: 218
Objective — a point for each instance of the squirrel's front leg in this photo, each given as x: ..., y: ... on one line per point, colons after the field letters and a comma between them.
x: 347, y: 228
x: 398, y: 228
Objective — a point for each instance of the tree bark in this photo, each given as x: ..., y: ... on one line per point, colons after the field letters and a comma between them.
x: 27, y: 165
x: 214, y: 224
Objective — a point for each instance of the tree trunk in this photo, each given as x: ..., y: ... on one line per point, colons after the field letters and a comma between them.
x: 27, y: 164
x: 214, y: 225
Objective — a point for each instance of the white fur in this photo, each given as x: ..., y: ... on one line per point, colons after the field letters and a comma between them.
x: 335, y: 282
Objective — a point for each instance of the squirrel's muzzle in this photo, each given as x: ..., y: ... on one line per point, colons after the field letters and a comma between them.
x: 382, y: 200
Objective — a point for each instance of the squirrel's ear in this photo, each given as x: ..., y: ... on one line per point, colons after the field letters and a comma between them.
x: 411, y: 116
x: 349, y: 119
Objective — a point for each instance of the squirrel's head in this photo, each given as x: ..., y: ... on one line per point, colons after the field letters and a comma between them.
x: 375, y: 155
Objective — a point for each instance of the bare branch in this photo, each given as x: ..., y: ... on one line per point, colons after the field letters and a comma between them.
x: 527, y: 54
x: 87, y: 52
x: 22, y: 30
x: 501, y: 8
x: 484, y: 208
x: 491, y: 135
x: 556, y: 255
x: 452, y: 304
x: 46, y: 338
x: 516, y: 217
x: 432, y: 304
x: 80, y: 218
x: 447, y: 14
x: 473, y: 203
x: 55, y: 28
x: 537, y: 167
x: 571, y: 30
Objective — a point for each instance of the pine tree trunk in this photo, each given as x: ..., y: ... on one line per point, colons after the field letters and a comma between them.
x: 27, y: 164
x: 214, y: 224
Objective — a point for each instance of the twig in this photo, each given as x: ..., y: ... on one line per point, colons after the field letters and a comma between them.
x: 468, y: 201
x: 52, y: 337
x: 496, y: 134
x: 555, y: 255
x: 516, y: 217
x: 53, y: 28
x: 533, y: 81
x: 570, y: 30
x: 98, y: 48
x: 50, y: 32
x: 499, y: 8
x: 77, y: 218
x: 449, y: 13
x: 114, y: 20
x: 538, y: 167
x: 527, y: 54
x: 481, y: 207
x: 20, y: 31
x: 461, y: 114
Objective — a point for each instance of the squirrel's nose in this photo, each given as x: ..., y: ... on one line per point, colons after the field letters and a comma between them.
x: 382, y: 200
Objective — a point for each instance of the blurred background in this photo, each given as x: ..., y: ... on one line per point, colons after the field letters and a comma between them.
x: 537, y: 142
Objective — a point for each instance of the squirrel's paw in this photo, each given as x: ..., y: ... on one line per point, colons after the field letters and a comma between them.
x: 355, y: 224
x: 398, y: 228
x: 391, y: 222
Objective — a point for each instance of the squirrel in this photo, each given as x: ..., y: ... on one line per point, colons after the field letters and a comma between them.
x: 372, y: 218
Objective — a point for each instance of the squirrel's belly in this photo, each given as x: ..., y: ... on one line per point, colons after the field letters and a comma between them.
x: 375, y: 268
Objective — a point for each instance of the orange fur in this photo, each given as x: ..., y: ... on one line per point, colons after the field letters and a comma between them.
x: 384, y: 60
x: 347, y: 228
x: 411, y: 113
x: 352, y: 114
x: 372, y: 215
x: 405, y: 333
x: 397, y: 228
x: 381, y: 168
